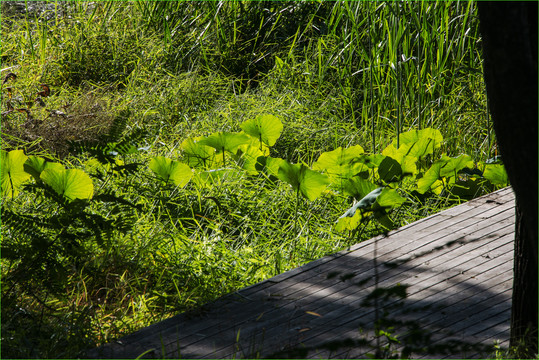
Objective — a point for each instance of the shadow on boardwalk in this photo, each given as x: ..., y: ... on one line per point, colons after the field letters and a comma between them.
x: 441, y: 285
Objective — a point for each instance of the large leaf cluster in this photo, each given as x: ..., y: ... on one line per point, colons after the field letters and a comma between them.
x: 378, y: 183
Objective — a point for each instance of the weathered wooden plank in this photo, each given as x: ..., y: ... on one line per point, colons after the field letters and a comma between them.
x: 452, y: 260
x: 448, y: 294
x: 422, y: 298
x: 338, y: 321
x: 440, y: 332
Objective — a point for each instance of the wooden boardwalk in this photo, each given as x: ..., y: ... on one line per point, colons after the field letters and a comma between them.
x: 454, y: 268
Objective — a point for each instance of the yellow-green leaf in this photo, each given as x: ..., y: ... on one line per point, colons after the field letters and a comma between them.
x: 71, y: 184
x: 308, y: 182
x: 12, y: 173
x: 267, y: 128
x: 170, y: 170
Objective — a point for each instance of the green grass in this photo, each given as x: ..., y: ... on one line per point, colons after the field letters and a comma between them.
x: 333, y: 72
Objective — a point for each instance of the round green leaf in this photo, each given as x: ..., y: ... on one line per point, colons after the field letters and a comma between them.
x: 71, y: 184
x: 384, y: 220
x: 431, y: 176
x: 389, y: 198
x: 247, y: 158
x: 389, y: 170
x: 407, y: 162
x: 269, y: 165
x: 454, y: 165
x: 413, y: 136
x: 340, y: 162
x: 418, y: 143
x: 446, y: 167
x: 348, y: 222
x: 308, y: 182
x: 197, y: 154
x: 289, y: 173
x: 312, y: 183
x: 496, y: 174
x: 225, y: 141
x: 358, y: 187
x: 169, y: 170
x: 267, y: 128
x: 12, y: 173
x: 35, y: 165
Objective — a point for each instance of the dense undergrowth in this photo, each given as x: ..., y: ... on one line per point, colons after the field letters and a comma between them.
x: 157, y: 155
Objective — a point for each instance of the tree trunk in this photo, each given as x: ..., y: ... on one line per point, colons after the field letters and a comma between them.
x: 509, y: 35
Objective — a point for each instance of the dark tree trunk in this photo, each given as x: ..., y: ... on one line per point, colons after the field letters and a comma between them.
x: 509, y: 32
